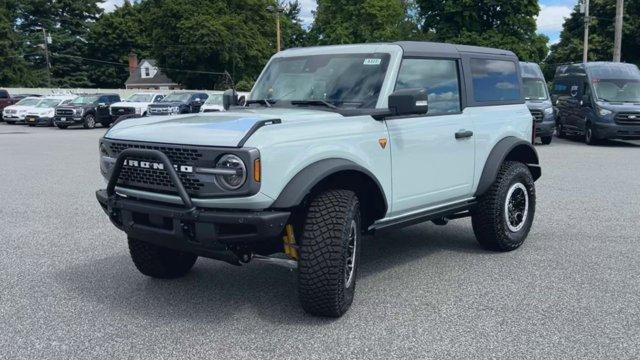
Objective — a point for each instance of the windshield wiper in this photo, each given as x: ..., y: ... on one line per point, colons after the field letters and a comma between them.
x: 314, y: 102
x: 266, y: 102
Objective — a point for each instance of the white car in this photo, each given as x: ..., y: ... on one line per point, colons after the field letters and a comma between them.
x: 213, y: 103
x: 136, y: 104
x: 16, y: 113
x: 44, y: 112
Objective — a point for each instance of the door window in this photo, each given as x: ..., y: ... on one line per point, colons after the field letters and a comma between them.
x: 438, y: 77
x: 495, y: 80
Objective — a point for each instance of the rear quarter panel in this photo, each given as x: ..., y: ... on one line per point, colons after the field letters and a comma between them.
x: 494, y: 123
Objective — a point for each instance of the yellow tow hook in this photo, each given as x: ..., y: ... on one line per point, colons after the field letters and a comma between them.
x: 289, y: 239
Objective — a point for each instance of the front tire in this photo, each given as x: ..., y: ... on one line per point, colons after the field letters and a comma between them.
x: 89, y: 121
x: 160, y: 262
x: 329, y: 253
x: 589, y: 137
x: 504, y: 214
x: 546, y: 140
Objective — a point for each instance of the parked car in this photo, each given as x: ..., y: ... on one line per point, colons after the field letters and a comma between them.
x: 334, y: 142
x: 44, y: 112
x: 179, y: 103
x: 598, y: 100
x: 136, y: 105
x: 86, y: 110
x: 5, y: 100
x: 15, y: 114
x: 536, y: 94
x: 213, y: 103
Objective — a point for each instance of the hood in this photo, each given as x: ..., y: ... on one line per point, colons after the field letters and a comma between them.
x: 207, y: 129
x: 165, y: 104
x: 79, y: 106
x: 132, y: 104
x: 619, y: 107
x: 539, y: 104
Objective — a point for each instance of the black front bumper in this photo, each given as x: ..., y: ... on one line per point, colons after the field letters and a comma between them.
x: 615, y: 131
x: 71, y: 120
x: 203, y: 232
x: 545, y: 129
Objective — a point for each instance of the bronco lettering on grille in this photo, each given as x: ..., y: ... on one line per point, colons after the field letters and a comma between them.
x: 156, y: 166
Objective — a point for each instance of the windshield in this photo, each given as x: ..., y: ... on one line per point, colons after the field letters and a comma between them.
x: 48, y: 103
x: 176, y: 98
x: 215, y: 99
x: 28, y: 102
x: 615, y: 90
x: 535, y: 89
x: 344, y: 80
x: 85, y: 99
x: 140, y: 98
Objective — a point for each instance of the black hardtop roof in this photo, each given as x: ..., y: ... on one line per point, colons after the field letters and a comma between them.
x: 425, y: 48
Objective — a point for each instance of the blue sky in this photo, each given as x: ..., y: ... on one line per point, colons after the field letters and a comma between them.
x: 549, y: 22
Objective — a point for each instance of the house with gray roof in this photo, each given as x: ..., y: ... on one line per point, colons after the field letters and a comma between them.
x: 146, y: 75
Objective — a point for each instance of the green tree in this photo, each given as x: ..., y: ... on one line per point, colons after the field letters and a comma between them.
x: 111, y: 39
x: 67, y: 21
x: 601, y: 38
x: 359, y: 21
x: 506, y: 24
x: 13, y: 70
x: 210, y: 36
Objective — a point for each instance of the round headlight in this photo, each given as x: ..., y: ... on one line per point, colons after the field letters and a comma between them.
x: 232, y: 182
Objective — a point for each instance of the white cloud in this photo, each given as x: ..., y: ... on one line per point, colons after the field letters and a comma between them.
x: 110, y: 5
x: 552, y: 17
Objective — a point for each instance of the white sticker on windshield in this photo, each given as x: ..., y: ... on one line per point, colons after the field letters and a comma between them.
x: 372, y: 61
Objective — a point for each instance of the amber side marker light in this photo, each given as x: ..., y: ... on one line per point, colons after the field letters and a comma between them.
x: 257, y: 170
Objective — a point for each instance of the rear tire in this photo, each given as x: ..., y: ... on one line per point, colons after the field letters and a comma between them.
x: 504, y: 214
x: 546, y: 140
x: 560, y: 131
x: 160, y: 262
x: 329, y: 253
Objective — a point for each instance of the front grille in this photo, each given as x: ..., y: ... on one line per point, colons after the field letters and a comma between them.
x: 159, y: 110
x: 118, y: 111
x: 628, y: 118
x: 538, y: 115
x: 64, y: 112
x: 158, y: 180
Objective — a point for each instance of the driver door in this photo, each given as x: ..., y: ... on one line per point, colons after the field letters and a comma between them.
x: 433, y: 155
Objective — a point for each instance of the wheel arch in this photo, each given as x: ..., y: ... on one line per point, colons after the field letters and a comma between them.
x: 336, y: 173
x: 508, y: 149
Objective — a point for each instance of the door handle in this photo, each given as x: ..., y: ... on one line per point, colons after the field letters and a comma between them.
x: 463, y: 134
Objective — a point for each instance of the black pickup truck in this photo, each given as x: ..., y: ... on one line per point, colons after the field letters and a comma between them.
x: 86, y: 110
x: 179, y: 103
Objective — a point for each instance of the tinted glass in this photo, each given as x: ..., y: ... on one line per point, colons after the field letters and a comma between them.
x: 4, y: 94
x: 613, y: 71
x: 344, y: 80
x: 495, y: 80
x: 438, y: 77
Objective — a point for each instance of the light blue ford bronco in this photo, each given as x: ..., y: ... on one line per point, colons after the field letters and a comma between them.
x: 333, y: 143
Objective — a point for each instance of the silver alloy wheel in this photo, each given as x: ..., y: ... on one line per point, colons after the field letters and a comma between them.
x: 91, y: 121
x: 516, y: 207
x: 351, y: 254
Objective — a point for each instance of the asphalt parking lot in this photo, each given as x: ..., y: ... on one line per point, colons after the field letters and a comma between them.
x: 69, y: 290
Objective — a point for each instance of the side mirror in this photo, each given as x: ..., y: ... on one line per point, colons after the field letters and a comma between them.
x: 409, y: 102
x: 229, y: 99
x: 102, y: 104
x: 586, y: 100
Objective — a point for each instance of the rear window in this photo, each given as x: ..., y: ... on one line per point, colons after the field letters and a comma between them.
x: 495, y: 80
x: 4, y: 94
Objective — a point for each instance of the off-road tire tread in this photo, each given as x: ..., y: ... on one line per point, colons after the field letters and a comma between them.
x: 546, y: 140
x: 159, y: 262
x: 323, y: 251
x: 488, y: 219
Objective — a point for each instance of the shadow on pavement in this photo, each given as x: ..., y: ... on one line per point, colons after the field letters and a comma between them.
x: 216, y: 292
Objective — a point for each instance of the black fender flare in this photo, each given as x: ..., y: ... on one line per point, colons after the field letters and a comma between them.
x: 304, y: 181
x: 509, y: 148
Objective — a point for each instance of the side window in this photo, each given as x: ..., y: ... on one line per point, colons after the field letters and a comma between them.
x: 114, y: 99
x: 438, y: 77
x: 560, y: 88
x: 103, y: 99
x: 4, y: 94
x: 495, y: 80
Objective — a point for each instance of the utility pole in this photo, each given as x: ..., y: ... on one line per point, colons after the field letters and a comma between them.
x: 277, y: 10
x: 46, y: 55
x: 617, y: 45
x: 587, y: 21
